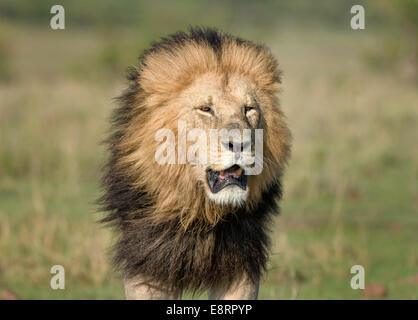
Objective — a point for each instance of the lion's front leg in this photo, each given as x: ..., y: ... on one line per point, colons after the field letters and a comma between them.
x: 139, y: 289
x: 242, y: 289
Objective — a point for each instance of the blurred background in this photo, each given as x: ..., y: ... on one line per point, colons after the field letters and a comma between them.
x: 351, y: 98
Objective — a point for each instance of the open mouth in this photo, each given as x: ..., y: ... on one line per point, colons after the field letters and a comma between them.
x: 217, y: 180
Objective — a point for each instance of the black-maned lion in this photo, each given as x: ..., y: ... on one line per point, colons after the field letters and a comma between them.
x: 195, y: 226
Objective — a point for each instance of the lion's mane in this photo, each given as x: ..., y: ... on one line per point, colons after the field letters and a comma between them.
x: 169, y: 230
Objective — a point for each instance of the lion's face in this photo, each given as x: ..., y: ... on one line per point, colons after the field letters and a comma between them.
x: 216, y: 102
x: 208, y: 83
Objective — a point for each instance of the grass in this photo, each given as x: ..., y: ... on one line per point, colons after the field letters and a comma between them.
x: 351, y: 195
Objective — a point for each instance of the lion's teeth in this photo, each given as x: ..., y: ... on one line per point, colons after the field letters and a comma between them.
x: 222, y: 174
x: 238, y: 173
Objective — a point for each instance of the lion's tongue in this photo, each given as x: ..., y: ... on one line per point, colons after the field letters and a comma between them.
x: 234, y: 171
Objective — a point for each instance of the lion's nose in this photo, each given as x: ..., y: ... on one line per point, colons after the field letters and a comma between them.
x: 236, y: 146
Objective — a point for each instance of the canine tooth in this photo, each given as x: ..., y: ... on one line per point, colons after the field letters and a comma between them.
x: 238, y: 173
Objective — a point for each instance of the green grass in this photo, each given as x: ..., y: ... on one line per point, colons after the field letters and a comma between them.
x: 351, y: 195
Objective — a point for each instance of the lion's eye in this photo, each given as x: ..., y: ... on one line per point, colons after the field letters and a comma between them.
x: 248, y: 109
x: 206, y: 109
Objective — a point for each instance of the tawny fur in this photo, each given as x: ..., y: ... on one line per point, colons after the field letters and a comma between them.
x: 170, y: 231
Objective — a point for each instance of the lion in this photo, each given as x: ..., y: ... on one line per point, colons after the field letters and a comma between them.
x: 195, y: 226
